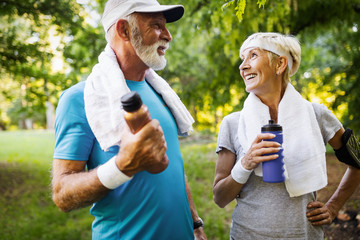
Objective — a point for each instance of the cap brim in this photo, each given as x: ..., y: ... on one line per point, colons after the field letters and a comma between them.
x: 172, y: 13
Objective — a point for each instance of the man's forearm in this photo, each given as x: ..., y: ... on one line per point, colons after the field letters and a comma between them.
x: 198, y: 232
x: 194, y: 214
x: 75, y: 189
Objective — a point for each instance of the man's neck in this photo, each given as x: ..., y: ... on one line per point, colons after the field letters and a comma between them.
x: 133, y: 73
x: 131, y: 65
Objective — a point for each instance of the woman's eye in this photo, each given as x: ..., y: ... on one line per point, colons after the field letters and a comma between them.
x: 253, y: 55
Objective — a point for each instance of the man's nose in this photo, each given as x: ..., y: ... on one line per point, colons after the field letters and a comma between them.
x: 166, y: 35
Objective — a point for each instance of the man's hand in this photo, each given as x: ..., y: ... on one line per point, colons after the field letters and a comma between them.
x: 145, y: 150
x: 319, y: 213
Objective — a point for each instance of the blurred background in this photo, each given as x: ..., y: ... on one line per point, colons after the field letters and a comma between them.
x: 47, y: 46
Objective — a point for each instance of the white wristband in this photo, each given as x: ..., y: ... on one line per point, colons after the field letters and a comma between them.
x: 239, y: 173
x: 110, y: 175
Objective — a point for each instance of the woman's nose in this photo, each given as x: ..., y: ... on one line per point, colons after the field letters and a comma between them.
x: 243, y: 65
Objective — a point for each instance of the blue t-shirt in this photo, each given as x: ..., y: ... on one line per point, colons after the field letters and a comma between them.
x: 149, y: 206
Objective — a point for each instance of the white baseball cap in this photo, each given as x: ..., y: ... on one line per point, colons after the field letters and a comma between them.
x: 116, y: 9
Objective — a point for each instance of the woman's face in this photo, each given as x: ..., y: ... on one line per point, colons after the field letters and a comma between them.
x: 256, y: 71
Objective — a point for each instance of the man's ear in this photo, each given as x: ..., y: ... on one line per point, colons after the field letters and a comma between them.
x: 281, y: 65
x: 123, y: 29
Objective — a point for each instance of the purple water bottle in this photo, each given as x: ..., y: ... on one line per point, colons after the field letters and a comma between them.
x: 273, y: 171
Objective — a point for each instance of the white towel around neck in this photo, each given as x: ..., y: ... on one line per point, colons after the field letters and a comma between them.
x: 102, y: 95
x: 304, y: 149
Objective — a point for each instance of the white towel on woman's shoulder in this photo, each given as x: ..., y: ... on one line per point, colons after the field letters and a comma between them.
x: 102, y: 95
x: 304, y: 150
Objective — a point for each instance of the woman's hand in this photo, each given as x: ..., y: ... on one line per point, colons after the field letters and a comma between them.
x: 320, y: 214
x: 255, y: 155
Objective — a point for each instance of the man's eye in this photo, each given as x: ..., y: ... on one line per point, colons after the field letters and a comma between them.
x: 253, y: 55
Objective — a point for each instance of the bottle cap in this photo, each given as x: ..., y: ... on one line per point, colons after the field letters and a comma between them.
x: 272, y: 126
x: 131, y: 101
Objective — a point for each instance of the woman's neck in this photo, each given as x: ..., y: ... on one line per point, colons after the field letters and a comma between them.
x: 272, y: 100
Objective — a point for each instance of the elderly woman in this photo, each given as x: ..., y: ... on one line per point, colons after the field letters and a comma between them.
x: 289, y: 209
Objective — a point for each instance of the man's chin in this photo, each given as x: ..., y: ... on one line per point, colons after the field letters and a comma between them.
x: 157, y: 67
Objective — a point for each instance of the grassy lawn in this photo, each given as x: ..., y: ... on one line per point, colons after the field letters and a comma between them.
x: 26, y: 208
x: 27, y: 211
x: 199, y: 162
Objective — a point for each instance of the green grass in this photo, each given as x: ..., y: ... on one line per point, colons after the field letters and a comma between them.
x: 26, y: 208
x: 199, y: 162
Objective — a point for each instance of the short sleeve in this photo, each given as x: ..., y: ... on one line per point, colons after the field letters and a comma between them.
x: 327, y: 121
x: 73, y: 137
x: 227, y: 137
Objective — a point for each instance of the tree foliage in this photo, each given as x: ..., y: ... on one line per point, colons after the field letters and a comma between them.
x: 203, y: 59
x: 37, y: 40
x: 239, y: 6
x: 211, y: 36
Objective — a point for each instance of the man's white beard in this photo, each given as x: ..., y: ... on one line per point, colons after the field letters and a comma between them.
x: 148, y: 54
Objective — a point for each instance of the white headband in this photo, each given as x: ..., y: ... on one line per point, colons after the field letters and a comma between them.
x: 268, y: 46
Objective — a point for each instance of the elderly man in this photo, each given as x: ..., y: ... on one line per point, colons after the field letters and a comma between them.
x: 97, y: 160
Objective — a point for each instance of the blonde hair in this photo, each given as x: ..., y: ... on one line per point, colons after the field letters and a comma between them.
x: 278, y: 45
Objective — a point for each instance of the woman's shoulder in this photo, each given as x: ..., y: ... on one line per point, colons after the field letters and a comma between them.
x: 232, y: 117
x: 319, y: 107
x: 328, y: 122
x: 321, y: 111
x: 230, y: 123
x: 228, y: 133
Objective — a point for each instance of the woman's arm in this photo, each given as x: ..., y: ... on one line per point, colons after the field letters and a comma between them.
x: 326, y: 213
x: 348, y: 184
x: 225, y: 188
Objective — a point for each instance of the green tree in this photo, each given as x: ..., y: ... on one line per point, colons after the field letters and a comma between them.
x: 330, y: 56
x: 206, y: 59
x: 35, y: 40
x: 203, y: 60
